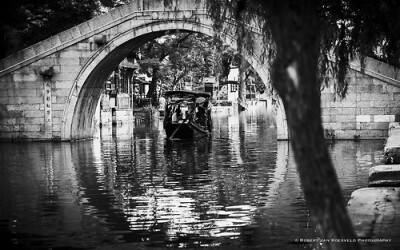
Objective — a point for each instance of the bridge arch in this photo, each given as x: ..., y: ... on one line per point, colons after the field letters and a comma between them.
x: 50, y: 90
x: 85, y: 92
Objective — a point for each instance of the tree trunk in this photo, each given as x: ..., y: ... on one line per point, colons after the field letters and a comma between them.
x: 242, y: 84
x: 152, y: 93
x: 294, y: 26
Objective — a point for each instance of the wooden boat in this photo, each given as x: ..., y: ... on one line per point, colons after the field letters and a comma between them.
x: 187, y: 113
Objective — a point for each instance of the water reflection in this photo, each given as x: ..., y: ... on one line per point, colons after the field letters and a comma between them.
x: 133, y: 188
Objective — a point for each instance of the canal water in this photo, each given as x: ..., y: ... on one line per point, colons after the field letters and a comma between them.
x: 131, y: 188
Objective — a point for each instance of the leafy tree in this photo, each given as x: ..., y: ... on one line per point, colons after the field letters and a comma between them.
x: 25, y: 22
x: 174, y: 59
x: 231, y: 59
x: 228, y: 59
x: 189, y: 62
x: 304, y: 41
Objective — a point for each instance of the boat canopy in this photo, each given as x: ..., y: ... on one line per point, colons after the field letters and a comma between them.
x: 187, y: 94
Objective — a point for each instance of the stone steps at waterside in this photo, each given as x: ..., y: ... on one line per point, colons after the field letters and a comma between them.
x: 384, y: 176
x: 392, y: 148
x: 375, y: 211
x: 394, y: 129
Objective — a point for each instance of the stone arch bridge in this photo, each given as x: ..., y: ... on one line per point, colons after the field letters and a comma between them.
x: 50, y: 91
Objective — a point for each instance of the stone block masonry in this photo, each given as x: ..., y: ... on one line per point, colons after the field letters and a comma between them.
x: 369, y: 105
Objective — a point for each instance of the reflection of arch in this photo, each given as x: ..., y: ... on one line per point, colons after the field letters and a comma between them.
x: 85, y: 92
x: 94, y: 190
x: 282, y: 161
x: 282, y: 131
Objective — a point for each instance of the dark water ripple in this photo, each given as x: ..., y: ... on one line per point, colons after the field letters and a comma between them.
x: 133, y: 189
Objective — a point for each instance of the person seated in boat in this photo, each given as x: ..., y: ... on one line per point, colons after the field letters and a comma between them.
x: 201, y: 115
x: 191, y: 112
x: 176, y: 116
x: 169, y: 111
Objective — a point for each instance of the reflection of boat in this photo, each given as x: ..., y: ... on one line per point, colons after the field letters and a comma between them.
x: 187, y: 112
